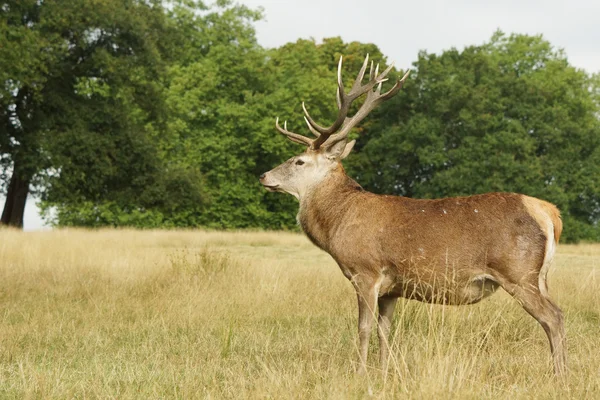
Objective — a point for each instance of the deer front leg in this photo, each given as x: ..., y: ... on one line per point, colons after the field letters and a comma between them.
x: 367, y: 298
x: 386, y: 312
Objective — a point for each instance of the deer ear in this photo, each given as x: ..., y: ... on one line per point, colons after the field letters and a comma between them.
x: 348, y: 149
x: 340, y: 150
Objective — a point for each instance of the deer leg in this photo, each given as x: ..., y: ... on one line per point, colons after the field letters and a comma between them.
x: 557, y: 338
x: 549, y: 316
x: 367, y: 297
x: 386, y: 311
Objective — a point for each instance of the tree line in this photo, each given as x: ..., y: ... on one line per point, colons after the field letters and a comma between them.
x: 161, y: 114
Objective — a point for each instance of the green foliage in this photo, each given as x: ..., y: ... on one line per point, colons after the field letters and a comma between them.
x: 81, y: 113
x: 132, y: 113
x: 222, y: 106
x: 510, y: 115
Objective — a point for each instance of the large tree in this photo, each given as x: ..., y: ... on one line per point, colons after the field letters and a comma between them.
x: 509, y: 115
x: 81, y: 102
x: 212, y: 72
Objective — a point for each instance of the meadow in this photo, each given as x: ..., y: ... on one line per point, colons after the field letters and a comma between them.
x: 193, y: 314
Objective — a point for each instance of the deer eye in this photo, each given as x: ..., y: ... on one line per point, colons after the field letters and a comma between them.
x: 299, y: 162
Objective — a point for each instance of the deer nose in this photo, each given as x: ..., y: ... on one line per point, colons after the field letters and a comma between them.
x: 262, y: 176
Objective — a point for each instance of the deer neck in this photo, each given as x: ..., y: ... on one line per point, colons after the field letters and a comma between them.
x: 322, y: 208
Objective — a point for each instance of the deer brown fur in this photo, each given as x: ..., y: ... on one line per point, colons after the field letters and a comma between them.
x: 450, y: 251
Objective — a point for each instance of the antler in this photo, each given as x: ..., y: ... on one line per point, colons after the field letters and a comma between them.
x: 343, y: 123
x: 294, y: 137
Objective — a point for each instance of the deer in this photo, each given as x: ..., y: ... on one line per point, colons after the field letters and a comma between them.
x: 449, y: 251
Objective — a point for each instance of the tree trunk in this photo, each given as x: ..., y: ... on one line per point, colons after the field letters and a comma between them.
x: 16, y: 197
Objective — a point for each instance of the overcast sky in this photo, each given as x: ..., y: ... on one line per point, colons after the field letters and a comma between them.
x: 402, y: 28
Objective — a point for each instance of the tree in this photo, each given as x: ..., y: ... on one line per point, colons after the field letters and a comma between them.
x: 509, y: 115
x: 212, y: 94
x: 81, y: 106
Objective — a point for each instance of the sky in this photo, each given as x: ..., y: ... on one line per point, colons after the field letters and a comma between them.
x: 402, y: 28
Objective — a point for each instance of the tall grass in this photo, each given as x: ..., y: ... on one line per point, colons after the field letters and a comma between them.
x: 128, y: 314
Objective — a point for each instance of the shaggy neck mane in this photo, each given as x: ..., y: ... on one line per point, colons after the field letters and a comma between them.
x: 324, y: 207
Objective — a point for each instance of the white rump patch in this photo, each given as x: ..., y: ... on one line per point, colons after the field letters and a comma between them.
x: 548, y: 257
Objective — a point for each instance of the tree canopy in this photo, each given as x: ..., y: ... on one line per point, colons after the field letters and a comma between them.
x: 155, y: 114
x: 82, y: 105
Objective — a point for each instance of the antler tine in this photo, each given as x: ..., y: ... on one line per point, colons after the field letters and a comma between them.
x: 343, y: 106
x: 374, y: 98
x: 338, y: 98
x: 313, y: 130
x: 396, y: 88
x: 357, y: 81
x: 361, y: 74
x: 294, y: 137
x: 345, y: 100
x: 384, y: 73
x: 310, y: 122
x: 343, y: 123
x: 339, y: 76
x: 357, y: 89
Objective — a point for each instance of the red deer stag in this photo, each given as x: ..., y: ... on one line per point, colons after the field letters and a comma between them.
x: 448, y: 251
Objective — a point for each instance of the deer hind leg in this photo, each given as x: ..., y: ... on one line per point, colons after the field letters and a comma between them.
x: 558, y: 339
x: 548, y: 314
x: 386, y: 312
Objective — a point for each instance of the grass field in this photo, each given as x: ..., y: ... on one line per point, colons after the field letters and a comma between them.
x: 164, y: 314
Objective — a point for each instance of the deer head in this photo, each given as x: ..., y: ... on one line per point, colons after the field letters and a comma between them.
x: 323, y: 154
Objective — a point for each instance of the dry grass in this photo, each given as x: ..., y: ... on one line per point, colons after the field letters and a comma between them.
x: 127, y: 314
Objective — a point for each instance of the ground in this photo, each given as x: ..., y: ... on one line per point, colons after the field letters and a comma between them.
x: 193, y: 314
